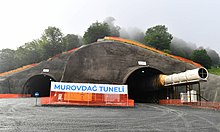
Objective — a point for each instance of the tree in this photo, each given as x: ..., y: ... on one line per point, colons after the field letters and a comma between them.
x: 200, y: 56
x: 52, y: 42
x: 158, y: 37
x: 7, y: 60
x: 29, y: 53
x: 214, y: 57
x: 71, y: 41
x: 95, y: 31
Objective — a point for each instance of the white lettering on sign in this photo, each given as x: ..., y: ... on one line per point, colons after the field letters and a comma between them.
x: 89, y: 88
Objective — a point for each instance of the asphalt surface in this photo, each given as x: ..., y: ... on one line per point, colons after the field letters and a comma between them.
x: 22, y: 115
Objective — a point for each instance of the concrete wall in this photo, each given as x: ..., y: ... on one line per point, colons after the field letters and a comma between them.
x: 211, y: 89
x: 109, y: 62
x: 105, y: 62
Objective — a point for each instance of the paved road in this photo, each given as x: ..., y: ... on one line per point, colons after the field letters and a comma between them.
x: 22, y: 115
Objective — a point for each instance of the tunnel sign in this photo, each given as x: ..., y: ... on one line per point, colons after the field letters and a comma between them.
x: 89, y: 88
x: 46, y: 70
x: 142, y: 63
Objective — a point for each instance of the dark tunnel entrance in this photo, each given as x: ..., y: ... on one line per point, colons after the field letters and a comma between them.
x: 144, y: 86
x: 38, y: 83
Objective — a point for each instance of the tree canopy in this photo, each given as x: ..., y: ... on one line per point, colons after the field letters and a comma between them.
x: 29, y: 53
x: 71, y: 41
x: 214, y: 57
x: 7, y: 60
x: 158, y: 37
x: 200, y: 56
x: 52, y: 41
x: 96, y: 31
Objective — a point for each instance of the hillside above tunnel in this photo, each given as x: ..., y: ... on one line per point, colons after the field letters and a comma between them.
x: 111, y: 62
x: 107, y: 62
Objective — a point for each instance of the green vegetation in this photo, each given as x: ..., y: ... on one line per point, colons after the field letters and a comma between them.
x: 215, y: 71
x: 158, y: 37
x: 97, y: 31
x: 53, y: 42
x: 200, y: 56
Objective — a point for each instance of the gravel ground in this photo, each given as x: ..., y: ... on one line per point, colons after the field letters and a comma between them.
x: 23, y: 115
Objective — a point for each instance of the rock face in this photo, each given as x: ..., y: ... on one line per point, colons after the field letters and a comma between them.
x: 105, y: 62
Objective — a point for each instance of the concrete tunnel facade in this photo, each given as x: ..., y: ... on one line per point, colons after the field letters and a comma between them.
x: 117, y: 63
x: 108, y: 62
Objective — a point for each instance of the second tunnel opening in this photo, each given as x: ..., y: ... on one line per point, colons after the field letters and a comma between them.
x: 144, y: 86
x: 38, y: 83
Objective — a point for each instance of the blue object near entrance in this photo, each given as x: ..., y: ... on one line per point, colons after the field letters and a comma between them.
x: 36, y: 94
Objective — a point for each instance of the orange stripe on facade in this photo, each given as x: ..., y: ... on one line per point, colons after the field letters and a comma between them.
x: 152, y: 49
x: 18, y: 69
x: 32, y: 65
x: 62, y: 53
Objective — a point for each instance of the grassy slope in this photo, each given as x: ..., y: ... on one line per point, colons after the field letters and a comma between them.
x: 215, y: 71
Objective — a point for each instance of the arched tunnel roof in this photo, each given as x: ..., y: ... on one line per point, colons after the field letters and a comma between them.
x: 38, y: 83
x: 118, y: 63
x: 110, y: 62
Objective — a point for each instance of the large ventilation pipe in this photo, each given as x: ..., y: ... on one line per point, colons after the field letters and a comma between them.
x: 195, y: 75
x: 146, y: 84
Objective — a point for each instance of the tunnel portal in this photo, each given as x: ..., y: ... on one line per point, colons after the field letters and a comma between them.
x: 38, y: 83
x: 144, y: 86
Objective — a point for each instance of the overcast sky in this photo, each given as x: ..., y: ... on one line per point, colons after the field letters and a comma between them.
x: 195, y: 21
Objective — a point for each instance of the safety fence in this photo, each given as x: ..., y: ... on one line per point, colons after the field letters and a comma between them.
x: 171, y: 102
x: 87, y: 99
x: 14, y: 95
x: 204, y: 104
x: 198, y: 104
